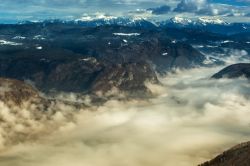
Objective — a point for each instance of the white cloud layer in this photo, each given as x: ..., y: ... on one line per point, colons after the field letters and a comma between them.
x: 191, y: 119
x: 204, y: 7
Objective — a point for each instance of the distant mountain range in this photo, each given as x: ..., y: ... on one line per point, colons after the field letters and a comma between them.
x: 210, y: 24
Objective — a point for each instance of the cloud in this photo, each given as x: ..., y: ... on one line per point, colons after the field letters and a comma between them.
x: 201, y: 7
x: 187, y: 122
x: 17, y: 10
x: 204, y: 7
x: 160, y: 10
x: 190, y: 5
x: 46, y: 2
x: 46, y: 9
x: 232, y: 2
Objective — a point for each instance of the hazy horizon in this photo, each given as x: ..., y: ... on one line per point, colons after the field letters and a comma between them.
x: 33, y: 10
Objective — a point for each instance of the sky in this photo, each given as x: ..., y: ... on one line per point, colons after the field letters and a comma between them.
x: 19, y: 10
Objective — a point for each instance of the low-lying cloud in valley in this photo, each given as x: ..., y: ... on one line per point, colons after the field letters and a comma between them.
x: 190, y: 120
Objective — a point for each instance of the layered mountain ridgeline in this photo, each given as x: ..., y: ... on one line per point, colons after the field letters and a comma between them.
x: 236, y: 156
x: 74, y: 58
x: 80, y: 38
x: 234, y: 71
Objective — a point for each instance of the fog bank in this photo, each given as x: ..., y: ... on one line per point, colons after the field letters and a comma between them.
x: 191, y: 119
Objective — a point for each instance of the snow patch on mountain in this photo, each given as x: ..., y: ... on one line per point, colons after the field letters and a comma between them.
x: 5, y: 42
x: 197, y: 21
x: 38, y: 37
x: 126, y: 34
x: 164, y: 54
x: 19, y: 38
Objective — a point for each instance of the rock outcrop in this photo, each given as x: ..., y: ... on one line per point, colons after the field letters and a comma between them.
x: 14, y: 92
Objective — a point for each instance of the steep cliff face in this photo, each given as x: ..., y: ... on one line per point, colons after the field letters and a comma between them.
x: 236, y: 156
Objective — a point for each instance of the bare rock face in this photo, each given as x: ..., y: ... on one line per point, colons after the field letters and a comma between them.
x: 236, y: 156
x: 234, y: 71
x: 14, y: 92
x: 125, y: 77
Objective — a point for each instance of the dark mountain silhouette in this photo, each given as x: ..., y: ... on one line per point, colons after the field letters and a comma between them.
x: 234, y: 71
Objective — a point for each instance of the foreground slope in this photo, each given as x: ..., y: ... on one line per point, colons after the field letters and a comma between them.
x: 236, y: 156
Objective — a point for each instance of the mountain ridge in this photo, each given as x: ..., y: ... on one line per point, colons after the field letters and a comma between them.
x: 211, y: 24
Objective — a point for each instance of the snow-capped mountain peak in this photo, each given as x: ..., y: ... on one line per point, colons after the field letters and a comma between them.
x: 211, y: 20
x: 99, y: 19
x: 180, y: 20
